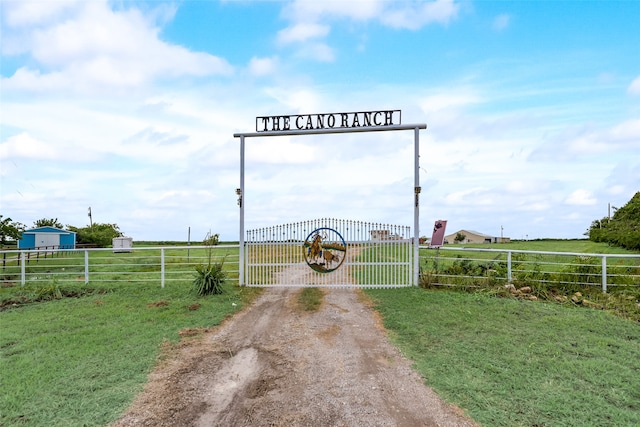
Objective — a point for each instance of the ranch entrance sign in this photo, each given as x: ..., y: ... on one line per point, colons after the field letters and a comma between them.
x: 330, y: 252
x: 328, y: 121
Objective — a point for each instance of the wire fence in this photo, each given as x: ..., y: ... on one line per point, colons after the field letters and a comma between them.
x: 477, y: 267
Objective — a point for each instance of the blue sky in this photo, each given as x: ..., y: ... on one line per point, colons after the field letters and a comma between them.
x: 532, y: 108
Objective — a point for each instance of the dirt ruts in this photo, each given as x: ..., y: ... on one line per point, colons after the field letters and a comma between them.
x: 273, y: 365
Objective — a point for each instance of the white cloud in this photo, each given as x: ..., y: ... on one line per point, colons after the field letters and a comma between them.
x: 396, y: 14
x: 589, y: 141
x: 302, y: 32
x: 21, y: 13
x: 627, y: 131
x: 634, y: 87
x: 311, y: 11
x: 280, y: 152
x: 309, y: 19
x: 581, y: 197
x: 412, y: 16
x: 616, y: 189
x: 24, y: 145
x: 501, y: 22
x: 455, y: 99
x: 299, y: 100
x: 476, y: 196
x: 97, y: 48
x: 263, y: 66
x: 526, y: 187
x: 318, y: 52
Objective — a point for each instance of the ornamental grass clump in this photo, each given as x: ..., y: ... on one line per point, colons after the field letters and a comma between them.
x: 210, y: 277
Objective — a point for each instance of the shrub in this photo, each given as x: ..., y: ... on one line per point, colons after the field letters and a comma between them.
x: 98, y: 234
x: 210, y: 279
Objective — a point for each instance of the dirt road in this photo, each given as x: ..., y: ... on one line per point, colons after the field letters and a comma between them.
x: 273, y: 365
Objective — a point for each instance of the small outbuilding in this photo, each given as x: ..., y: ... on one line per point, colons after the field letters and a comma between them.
x: 47, y: 238
x: 471, y: 236
x: 122, y: 244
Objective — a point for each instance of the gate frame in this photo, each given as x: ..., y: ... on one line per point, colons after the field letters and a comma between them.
x: 416, y: 179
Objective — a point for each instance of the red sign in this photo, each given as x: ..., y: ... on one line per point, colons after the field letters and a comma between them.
x: 437, y: 238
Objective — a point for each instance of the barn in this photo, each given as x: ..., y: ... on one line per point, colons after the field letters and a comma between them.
x: 471, y: 236
x: 47, y: 237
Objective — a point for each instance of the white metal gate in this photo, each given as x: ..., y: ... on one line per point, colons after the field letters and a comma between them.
x: 329, y: 253
x: 367, y: 263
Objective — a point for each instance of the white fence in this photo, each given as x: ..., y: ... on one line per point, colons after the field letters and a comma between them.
x: 329, y: 253
x: 457, y: 266
x: 447, y: 266
x: 169, y: 264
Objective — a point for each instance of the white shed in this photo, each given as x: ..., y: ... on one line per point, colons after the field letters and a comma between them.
x: 122, y: 244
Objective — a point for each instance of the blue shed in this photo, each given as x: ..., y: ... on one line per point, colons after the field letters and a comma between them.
x: 51, y: 237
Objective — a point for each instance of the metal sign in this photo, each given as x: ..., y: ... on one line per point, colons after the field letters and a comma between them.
x: 329, y: 121
x: 324, y: 250
x: 437, y: 238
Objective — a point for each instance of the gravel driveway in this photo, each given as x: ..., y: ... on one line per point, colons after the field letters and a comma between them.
x: 273, y: 365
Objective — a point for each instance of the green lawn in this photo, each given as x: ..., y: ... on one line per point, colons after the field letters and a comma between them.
x: 550, y: 245
x: 509, y: 362
x: 80, y: 361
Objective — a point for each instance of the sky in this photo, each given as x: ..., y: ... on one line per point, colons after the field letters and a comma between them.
x: 130, y: 108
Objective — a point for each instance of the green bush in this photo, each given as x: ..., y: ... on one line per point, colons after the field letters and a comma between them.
x: 623, y: 229
x: 98, y: 234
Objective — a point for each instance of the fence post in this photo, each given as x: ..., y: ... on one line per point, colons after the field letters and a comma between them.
x: 162, y: 267
x: 604, y: 274
x: 509, y: 266
x: 86, y: 266
x: 22, y: 269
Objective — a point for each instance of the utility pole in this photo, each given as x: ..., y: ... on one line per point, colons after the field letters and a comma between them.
x: 90, y: 218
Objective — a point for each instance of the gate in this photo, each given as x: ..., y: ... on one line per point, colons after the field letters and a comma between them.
x: 329, y: 253
x: 334, y: 252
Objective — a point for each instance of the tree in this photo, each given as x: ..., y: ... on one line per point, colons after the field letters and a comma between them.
x: 10, y: 230
x: 100, y: 235
x: 459, y: 237
x: 623, y: 229
x: 48, y: 222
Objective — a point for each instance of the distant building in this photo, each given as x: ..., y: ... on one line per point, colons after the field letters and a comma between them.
x: 471, y: 236
x: 47, y: 237
x: 383, y: 235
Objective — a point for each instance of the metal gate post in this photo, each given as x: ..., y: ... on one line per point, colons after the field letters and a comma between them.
x: 416, y: 208
x: 23, y: 275
x: 241, y: 262
x: 86, y: 266
x: 604, y: 274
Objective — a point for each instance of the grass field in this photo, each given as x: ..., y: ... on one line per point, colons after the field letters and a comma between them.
x: 509, y: 362
x: 550, y: 245
x: 80, y: 360
x: 552, y: 270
